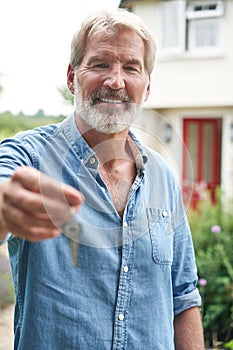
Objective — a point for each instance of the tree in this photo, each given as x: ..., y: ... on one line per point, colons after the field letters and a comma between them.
x: 66, y: 94
x: 1, y: 88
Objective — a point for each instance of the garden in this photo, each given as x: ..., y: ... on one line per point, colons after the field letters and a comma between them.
x: 212, y: 230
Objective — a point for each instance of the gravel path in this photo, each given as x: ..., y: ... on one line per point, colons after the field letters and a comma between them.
x: 6, y: 314
x: 6, y: 327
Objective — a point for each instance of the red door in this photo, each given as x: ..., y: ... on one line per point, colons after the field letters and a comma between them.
x: 201, y: 154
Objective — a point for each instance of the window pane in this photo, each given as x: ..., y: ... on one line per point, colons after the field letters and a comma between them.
x: 192, y: 148
x: 208, y: 141
x: 204, y: 33
x: 172, y: 24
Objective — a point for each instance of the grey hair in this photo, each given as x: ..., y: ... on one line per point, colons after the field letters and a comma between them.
x: 106, y: 24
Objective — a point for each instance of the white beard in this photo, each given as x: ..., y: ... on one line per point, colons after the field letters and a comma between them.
x: 103, y: 118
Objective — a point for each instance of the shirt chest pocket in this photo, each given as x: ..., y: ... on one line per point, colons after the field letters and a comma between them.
x: 161, y: 235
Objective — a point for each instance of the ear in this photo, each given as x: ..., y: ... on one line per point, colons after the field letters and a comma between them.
x: 147, y: 92
x: 70, y: 78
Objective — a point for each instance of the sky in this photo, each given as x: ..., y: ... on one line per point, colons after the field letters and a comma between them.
x: 35, y: 38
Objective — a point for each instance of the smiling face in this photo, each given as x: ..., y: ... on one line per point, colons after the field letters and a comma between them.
x: 111, y: 82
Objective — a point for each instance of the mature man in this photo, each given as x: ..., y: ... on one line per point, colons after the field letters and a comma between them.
x: 101, y: 250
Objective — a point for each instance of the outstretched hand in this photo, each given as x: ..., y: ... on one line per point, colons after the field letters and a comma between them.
x: 33, y: 205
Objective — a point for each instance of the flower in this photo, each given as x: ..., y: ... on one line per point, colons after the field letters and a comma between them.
x: 216, y: 229
x: 202, y: 282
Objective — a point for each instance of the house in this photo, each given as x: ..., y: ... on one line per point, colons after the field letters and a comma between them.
x: 189, y: 115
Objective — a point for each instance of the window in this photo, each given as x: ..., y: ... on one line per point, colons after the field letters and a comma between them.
x: 171, y: 26
x: 204, y: 25
x: 204, y: 8
x: 194, y: 27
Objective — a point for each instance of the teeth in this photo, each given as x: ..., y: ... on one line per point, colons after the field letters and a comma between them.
x: 108, y: 100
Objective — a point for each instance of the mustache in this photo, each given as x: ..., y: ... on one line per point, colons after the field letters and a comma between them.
x: 108, y: 92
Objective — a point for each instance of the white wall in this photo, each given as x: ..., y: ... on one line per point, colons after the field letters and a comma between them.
x: 150, y: 130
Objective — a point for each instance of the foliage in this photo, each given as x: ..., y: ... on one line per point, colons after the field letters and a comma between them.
x: 229, y: 345
x: 1, y: 88
x: 212, y: 229
x: 10, y: 124
x: 66, y: 94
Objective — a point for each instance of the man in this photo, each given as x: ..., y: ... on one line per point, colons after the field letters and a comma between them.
x: 100, y: 247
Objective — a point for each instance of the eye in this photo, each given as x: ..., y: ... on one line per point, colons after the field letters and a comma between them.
x: 131, y: 68
x: 100, y: 65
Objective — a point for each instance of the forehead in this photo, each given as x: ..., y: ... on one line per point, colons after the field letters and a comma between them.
x: 126, y: 43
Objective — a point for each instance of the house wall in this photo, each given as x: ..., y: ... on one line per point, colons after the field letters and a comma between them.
x: 191, y: 81
x: 152, y: 128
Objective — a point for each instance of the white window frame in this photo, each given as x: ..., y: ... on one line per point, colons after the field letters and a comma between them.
x: 191, y: 13
x: 211, y: 49
x: 208, y: 15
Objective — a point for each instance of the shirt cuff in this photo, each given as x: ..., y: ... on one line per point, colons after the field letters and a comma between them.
x: 186, y: 301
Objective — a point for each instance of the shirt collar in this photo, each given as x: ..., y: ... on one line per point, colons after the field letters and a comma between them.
x: 86, y: 153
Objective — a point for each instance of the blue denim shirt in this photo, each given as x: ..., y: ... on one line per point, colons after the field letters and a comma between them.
x: 134, y: 273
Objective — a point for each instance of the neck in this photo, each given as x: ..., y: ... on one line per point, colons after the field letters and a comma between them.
x: 111, y: 149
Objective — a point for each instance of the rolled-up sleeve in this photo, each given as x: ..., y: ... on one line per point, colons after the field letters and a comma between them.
x: 12, y: 155
x: 184, y: 269
x: 186, y: 301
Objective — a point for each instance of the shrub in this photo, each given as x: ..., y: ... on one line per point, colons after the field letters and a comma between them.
x: 212, y: 230
x: 11, y: 124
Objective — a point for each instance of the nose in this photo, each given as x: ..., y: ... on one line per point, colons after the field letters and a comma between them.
x: 115, y: 79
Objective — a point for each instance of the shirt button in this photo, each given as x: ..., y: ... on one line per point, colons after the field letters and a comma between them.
x: 103, y: 189
x: 126, y: 269
x: 164, y: 213
x: 121, y: 317
x: 92, y: 160
x: 125, y: 225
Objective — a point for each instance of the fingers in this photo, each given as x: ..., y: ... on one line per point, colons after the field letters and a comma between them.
x: 33, y: 234
x: 37, y: 182
x: 18, y: 217
x: 31, y: 226
x: 34, y: 205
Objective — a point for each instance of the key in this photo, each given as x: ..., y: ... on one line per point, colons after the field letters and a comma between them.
x: 73, y: 231
x: 74, y: 252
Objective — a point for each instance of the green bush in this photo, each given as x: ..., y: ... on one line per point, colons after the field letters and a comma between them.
x: 212, y: 230
x: 11, y: 124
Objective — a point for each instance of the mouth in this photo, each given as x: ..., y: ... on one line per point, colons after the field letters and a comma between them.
x: 110, y: 97
x: 109, y: 100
